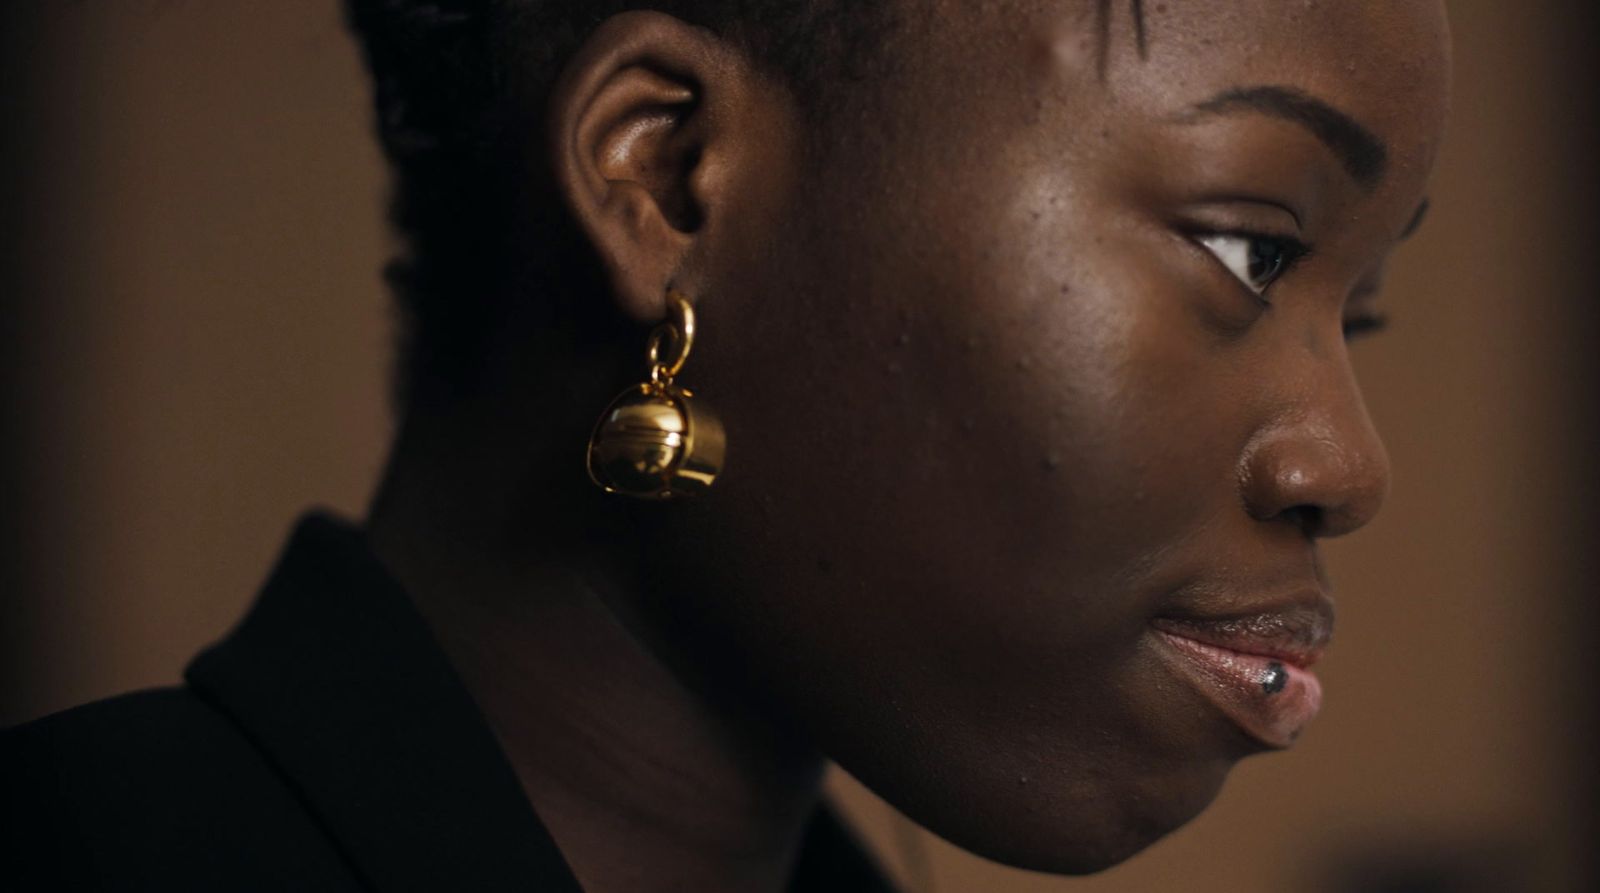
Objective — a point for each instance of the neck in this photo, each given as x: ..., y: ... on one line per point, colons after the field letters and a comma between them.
x: 536, y: 609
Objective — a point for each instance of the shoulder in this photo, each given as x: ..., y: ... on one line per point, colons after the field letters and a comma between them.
x: 155, y: 789
x: 105, y: 754
x: 145, y: 723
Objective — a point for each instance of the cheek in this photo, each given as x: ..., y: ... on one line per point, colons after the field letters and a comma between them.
x: 1110, y: 424
x: 950, y: 474
x: 965, y: 463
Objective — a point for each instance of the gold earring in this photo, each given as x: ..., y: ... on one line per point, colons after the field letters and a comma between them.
x: 653, y: 442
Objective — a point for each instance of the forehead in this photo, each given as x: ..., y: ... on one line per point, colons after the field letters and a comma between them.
x: 1384, y: 63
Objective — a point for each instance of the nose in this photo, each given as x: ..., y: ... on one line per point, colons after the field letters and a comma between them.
x: 1321, y: 465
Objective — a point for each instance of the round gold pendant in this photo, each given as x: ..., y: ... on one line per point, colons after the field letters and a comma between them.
x: 654, y: 442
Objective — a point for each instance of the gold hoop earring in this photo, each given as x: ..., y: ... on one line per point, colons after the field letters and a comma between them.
x: 653, y: 441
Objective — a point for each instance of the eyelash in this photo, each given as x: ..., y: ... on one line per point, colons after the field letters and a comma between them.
x: 1362, y: 326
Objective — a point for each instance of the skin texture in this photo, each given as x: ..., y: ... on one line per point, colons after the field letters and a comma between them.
x: 992, y: 407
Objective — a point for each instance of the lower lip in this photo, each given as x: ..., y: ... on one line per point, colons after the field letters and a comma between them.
x: 1272, y: 701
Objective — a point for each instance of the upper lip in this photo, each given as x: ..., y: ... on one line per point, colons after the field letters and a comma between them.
x: 1295, y: 630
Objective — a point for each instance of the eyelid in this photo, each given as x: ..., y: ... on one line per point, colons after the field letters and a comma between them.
x: 1234, y: 212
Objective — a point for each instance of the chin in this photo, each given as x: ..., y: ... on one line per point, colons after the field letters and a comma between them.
x: 1082, y: 827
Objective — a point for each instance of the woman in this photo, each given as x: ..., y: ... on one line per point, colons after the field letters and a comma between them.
x: 1025, y: 324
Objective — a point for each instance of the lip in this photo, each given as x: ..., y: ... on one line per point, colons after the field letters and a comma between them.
x: 1254, y: 667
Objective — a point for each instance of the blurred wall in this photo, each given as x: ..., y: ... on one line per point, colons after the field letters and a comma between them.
x: 202, y: 347
x: 195, y: 349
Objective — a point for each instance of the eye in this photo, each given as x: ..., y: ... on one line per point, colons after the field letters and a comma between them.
x: 1257, y: 261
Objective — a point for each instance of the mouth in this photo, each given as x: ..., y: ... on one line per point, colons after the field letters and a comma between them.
x: 1254, y: 668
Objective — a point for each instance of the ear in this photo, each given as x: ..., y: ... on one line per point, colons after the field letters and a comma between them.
x: 636, y: 124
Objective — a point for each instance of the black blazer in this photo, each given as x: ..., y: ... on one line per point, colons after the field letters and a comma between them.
x: 326, y: 744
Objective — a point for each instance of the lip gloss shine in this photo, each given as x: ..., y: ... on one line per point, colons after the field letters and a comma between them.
x: 1270, y: 699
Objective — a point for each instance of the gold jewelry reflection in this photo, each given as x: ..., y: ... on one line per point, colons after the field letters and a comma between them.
x: 653, y: 441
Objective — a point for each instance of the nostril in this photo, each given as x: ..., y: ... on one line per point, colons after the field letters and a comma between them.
x: 1311, y: 519
x: 1313, y: 482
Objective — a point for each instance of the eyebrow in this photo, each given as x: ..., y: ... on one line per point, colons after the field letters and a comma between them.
x: 1362, y: 154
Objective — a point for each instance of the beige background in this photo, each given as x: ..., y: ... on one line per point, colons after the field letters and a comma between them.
x: 196, y: 346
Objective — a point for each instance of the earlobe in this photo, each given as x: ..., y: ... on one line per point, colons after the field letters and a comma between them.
x: 627, y: 139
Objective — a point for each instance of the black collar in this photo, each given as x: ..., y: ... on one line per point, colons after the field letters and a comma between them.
x: 339, y: 682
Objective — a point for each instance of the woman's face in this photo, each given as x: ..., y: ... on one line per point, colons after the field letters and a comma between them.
x: 1038, y: 398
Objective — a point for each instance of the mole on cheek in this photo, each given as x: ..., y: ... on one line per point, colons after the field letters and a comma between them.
x: 1274, y: 679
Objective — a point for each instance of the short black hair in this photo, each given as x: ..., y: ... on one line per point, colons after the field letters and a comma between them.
x: 453, y: 83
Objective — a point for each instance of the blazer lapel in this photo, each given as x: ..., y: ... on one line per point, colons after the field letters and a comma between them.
x: 339, y: 682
